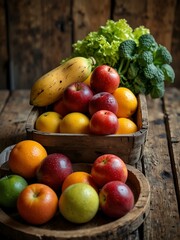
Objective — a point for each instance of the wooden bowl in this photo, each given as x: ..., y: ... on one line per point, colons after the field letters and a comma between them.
x: 100, y: 227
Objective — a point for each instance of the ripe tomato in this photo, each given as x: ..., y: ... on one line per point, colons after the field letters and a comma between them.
x: 37, y: 203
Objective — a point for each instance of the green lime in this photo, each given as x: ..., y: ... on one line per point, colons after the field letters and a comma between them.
x: 10, y: 188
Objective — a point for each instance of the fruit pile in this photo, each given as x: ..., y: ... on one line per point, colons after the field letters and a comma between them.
x: 95, y: 105
x: 40, y: 185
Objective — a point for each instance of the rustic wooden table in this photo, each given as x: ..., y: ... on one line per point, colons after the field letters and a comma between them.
x: 160, y: 163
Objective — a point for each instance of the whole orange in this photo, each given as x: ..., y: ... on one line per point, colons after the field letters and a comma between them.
x: 48, y: 122
x: 25, y: 158
x: 126, y: 126
x: 75, y: 122
x: 79, y: 177
x: 127, y: 102
x: 37, y: 203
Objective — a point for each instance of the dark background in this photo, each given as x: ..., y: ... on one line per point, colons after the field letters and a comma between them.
x: 36, y: 34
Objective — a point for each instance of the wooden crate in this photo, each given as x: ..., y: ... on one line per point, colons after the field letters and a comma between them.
x: 86, y: 147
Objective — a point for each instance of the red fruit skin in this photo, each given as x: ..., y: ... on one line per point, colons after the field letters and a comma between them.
x: 53, y: 170
x: 107, y: 168
x: 103, y: 101
x: 116, y: 199
x: 104, y: 79
x: 76, y: 97
x: 60, y: 108
x: 103, y: 122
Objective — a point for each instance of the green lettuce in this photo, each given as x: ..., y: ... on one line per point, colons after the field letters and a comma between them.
x: 103, y: 45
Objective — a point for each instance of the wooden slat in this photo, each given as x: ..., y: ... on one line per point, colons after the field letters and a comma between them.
x: 13, y: 117
x: 172, y: 110
x: 175, y: 45
x: 3, y: 46
x: 160, y: 17
x: 157, y: 167
x: 134, y: 13
x: 40, y: 36
x: 3, y: 98
x: 89, y: 16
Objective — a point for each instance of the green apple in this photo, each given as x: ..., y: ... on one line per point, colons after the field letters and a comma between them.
x: 10, y: 188
x: 79, y: 203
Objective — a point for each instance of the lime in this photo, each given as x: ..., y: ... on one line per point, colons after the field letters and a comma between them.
x: 10, y: 188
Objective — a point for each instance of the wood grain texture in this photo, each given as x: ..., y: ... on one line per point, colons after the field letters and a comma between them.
x: 3, y: 47
x: 158, y: 169
x: 40, y: 37
x: 14, y: 116
x: 89, y: 16
x: 172, y: 111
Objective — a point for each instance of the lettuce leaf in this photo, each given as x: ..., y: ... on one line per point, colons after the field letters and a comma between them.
x: 103, y: 45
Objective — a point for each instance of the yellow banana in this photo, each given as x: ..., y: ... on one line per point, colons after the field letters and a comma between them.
x: 50, y: 87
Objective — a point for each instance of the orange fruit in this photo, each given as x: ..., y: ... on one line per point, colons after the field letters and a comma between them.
x: 75, y: 122
x: 126, y: 126
x: 25, y: 158
x: 48, y: 122
x: 37, y: 203
x: 79, y: 177
x: 127, y: 102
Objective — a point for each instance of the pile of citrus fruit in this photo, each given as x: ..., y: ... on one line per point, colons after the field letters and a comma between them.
x: 92, y: 107
x: 33, y: 187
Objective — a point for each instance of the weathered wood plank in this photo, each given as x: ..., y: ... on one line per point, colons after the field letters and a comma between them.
x: 157, y: 167
x: 160, y: 18
x: 3, y: 47
x: 3, y: 98
x: 175, y: 45
x: 40, y: 35
x: 13, y: 118
x: 172, y: 110
x: 89, y: 16
x: 134, y: 13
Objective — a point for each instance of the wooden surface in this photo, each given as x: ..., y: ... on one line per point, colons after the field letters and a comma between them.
x: 35, y: 35
x: 160, y: 163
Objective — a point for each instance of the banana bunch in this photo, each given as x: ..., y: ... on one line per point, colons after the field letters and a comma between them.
x: 50, y: 87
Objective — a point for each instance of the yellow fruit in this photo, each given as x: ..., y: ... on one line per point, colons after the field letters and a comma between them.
x: 127, y: 102
x: 79, y: 203
x: 75, y: 122
x: 87, y: 81
x: 48, y: 122
x: 126, y: 126
x: 25, y: 158
x: 50, y: 87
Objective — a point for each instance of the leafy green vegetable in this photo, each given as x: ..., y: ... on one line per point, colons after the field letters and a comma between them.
x: 104, y: 44
x: 142, y: 63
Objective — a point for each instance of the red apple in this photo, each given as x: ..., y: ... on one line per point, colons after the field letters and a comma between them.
x: 116, y: 199
x: 76, y: 97
x: 60, y: 108
x: 103, y: 122
x: 103, y: 101
x: 53, y: 170
x: 104, y: 79
x: 107, y: 168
